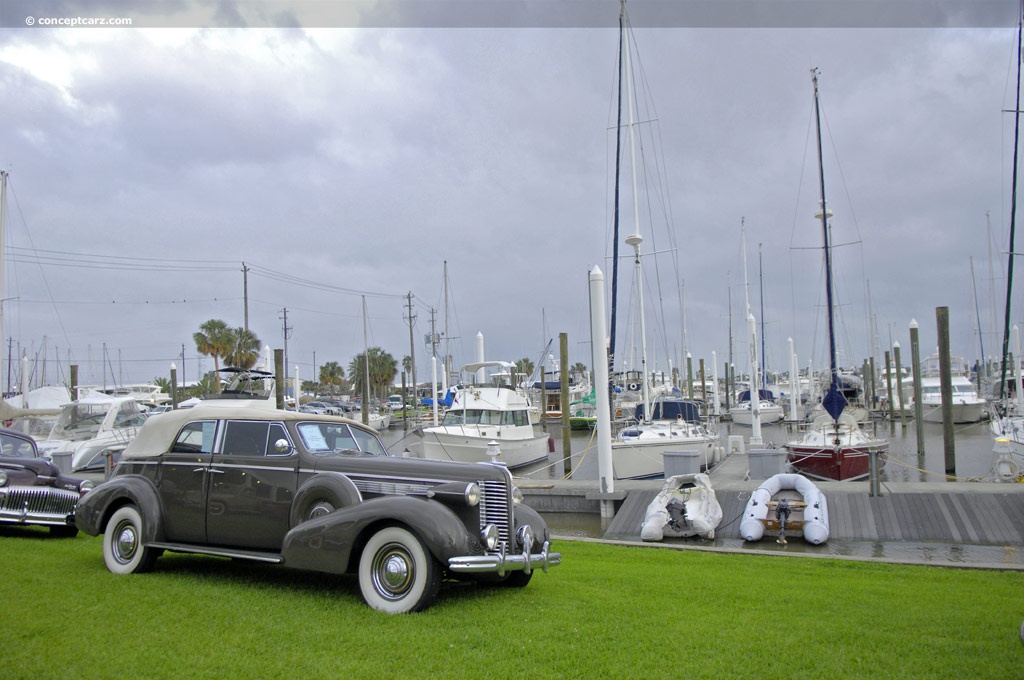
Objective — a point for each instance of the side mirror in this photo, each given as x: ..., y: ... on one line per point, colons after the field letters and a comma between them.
x: 282, y: 447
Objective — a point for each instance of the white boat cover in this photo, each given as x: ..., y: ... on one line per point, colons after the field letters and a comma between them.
x: 815, y: 528
x: 685, y: 506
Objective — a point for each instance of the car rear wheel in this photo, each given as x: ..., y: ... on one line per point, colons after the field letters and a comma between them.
x: 397, y: 573
x: 123, y: 548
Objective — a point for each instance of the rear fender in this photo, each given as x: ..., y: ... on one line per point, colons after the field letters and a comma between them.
x: 95, y: 507
x: 332, y: 543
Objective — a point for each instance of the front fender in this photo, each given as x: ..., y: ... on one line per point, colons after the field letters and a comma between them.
x: 527, y: 516
x: 95, y: 507
x: 329, y: 543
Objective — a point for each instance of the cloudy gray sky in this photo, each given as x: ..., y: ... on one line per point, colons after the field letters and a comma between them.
x: 343, y: 155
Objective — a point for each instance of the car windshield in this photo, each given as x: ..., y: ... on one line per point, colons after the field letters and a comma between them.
x: 324, y: 438
x: 16, y: 447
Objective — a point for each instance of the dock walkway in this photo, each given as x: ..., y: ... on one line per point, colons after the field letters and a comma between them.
x: 962, y: 523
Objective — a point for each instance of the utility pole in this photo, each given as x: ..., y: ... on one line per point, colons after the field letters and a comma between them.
x: 287, y: 331
x: 245, y: 292
x: 412, y: 345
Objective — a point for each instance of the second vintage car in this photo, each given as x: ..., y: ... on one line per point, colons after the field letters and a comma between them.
x: 33, y: 490
x: 312, y: 492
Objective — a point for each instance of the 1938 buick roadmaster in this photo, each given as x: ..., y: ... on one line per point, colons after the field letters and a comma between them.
x: 315, y: 492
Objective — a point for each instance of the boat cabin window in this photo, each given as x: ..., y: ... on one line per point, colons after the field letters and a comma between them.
x: 475, y: 416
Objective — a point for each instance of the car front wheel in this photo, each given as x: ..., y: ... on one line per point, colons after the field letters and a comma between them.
x: 397, y: 573
x: 123, y: 548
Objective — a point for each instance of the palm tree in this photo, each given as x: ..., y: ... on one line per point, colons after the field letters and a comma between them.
x: 525, y: 367
x: 407, y: 367
x: 332, y: 375
x: 214, y: 340
x: 245, y: 348
x: 383, y: 368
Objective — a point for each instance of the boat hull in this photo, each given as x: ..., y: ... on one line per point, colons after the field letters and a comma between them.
x: 643, y: 457
x: 767, y: 412
x: 963, y: 412
x: 464, y: 446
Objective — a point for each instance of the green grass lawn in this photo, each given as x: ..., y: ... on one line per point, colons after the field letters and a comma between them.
x: 607, y: 611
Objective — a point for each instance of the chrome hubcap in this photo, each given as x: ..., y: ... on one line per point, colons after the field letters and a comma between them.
x: 392, y: 572
x: 127, y: 543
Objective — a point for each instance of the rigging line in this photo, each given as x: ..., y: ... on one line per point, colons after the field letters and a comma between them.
x: 127, y: 302
x: 288, y: 278
x: 842, y: 175
x: 108, y: 266
x: 101, y: 256
x: 46, y: 281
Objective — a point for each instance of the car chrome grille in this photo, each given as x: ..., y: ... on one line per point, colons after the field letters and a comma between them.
x: 37, y: 503
x: 496, y: 508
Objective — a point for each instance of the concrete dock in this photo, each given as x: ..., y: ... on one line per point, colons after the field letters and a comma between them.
x: 968, y: 524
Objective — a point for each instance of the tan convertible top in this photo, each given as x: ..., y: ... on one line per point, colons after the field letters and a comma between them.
x: 157, y: 435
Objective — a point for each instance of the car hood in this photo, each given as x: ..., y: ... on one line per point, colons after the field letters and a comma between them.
x: 428, y: 471
x: 36, y: 465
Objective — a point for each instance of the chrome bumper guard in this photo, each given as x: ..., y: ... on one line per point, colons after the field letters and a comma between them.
x: 502, y: 562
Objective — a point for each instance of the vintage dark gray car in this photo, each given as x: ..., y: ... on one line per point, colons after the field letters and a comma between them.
x: 33, y: 490
x: 315, y: 492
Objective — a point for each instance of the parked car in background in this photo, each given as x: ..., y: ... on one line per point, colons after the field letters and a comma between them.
x: 312, y: 492
x: 33, y: 490
x: 322, y: 407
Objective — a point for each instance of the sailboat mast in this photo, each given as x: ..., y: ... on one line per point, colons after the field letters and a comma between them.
x: 755, y: 376
x: 635, y: 239
x: 834, y: 379
x: 615, y: 208
x: 1013, y: 214
x: 760, y: 276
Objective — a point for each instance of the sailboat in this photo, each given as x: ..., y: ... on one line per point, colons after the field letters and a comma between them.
x: 834, y: 447
x: 671, y: 424
x: 750, y: 409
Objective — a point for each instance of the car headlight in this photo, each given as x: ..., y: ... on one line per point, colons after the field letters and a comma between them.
x: 454, y: 492
x: 517, y: 495
x: 472, y: 494
x: 3, y: 478
x: 489, y: 537
x: 86, y: 485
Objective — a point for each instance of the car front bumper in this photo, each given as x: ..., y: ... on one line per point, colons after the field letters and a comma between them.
x: 502, y: 561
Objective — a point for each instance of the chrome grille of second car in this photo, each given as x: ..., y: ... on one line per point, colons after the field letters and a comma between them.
x: 496, y: 508
x: 36, y: 503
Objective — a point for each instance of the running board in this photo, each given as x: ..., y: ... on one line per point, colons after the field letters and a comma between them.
x: 272, y: 558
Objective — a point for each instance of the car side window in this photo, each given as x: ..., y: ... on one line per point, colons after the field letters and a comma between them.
x: 196, y: 437
x: 369, y: 443
x: 277, y: 432
x: 246, y: 438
